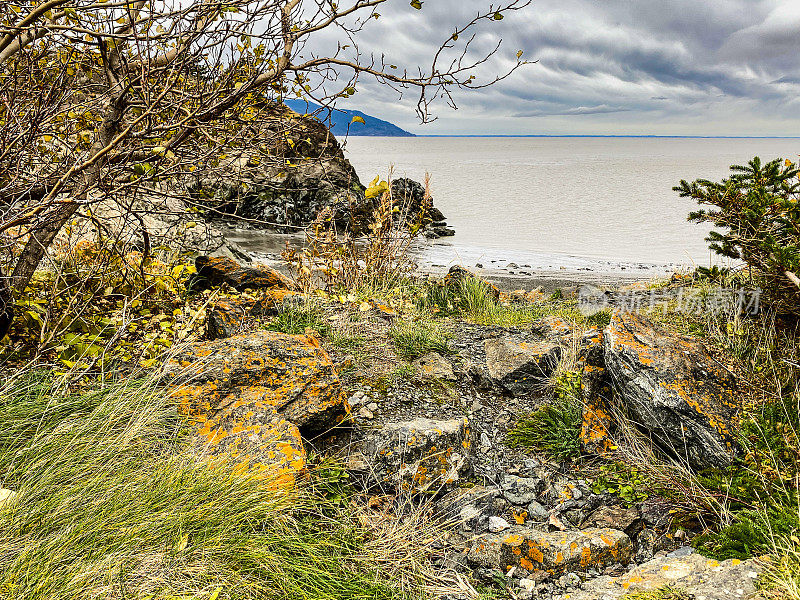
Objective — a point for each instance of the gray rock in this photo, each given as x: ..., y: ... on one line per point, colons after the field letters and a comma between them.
x: 434, y: 366
x: 616, y: 517
x: 498, y: 524
x: 537, y: 512
x: 519, y: 367
x: 422, y: 455
x: 673, y: 388
x: 521, y: 491
x: 694, y: 574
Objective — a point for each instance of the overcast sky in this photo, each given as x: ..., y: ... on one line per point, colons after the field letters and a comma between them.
x: 668, y: 67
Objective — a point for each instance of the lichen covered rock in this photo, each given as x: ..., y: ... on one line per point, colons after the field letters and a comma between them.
x: 673, y: 388
x: 554, y: 553
x: 216, y: 271
x: 596, y: 393
x: 693, y: 574
x: 519, y: 366
x: 420, y: 456
x: 250, y: 397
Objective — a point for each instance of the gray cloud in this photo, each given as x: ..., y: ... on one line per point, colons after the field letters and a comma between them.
x: 618, y: 66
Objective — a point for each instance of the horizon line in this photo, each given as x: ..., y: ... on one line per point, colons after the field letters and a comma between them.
x: 600, y: 135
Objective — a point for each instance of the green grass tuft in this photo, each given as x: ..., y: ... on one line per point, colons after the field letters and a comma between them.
x: 555, y: 428
x: 111, y: 503
x: 666, y: 592
x: 416, y: 338
x: 296, y: 318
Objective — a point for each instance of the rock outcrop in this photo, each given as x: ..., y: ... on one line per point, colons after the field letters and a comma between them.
x: 419, y: 212
x: 251, y: 396
x: 420, y: 456
x: 290, y: 170
x: 216, y: 271
x: 673, y: 388
x: 553, y: 553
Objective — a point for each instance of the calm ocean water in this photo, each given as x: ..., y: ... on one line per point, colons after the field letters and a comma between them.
x: 560, y: 200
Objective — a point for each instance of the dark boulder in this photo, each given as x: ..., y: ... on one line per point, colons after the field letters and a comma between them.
x: 410, y: 198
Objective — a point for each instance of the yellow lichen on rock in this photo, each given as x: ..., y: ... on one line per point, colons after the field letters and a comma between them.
x: 250, y: 396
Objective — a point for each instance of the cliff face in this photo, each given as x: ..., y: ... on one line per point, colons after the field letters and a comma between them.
x: 286, y: 172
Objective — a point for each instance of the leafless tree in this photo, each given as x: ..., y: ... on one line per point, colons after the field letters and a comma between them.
x: 106, y: 99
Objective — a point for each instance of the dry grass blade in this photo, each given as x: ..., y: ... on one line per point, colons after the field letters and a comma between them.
x: 376, y: 263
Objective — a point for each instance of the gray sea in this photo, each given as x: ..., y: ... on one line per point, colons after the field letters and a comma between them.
x: 577, y: 204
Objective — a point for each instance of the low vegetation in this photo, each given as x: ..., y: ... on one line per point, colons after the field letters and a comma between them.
x: 109, y: 502
x: 667, y: 592
x: 414, y: 338
x: 554, y: 429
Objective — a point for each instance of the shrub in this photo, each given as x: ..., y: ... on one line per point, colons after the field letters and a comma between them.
x: 98, y: 306
x: 371, y: 265
x: 758, y: 215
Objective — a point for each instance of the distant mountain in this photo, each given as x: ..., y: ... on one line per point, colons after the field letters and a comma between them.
x: 339, y: 120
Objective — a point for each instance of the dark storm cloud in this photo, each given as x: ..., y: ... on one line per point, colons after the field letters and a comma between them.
x: 726, y: 66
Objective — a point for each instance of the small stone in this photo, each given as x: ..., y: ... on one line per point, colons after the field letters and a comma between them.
x: 527, y: 584
x: 372, y: 406
x: 555, y: 523
x: 498, y: 524
x: 366, y: 413
x: 537, y: 512
x: 520, y: 490
x: 485, y: 441
x: 356, y: 399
